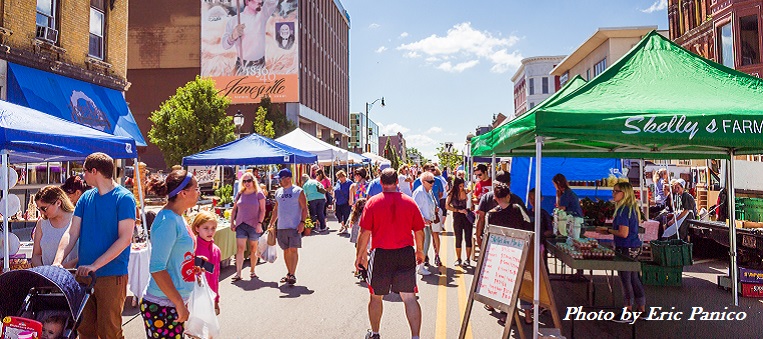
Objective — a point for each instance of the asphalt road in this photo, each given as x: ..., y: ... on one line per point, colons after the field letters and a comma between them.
x: 328, y: 302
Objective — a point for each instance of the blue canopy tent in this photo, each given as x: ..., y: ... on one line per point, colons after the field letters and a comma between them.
x: 252, y: 150
x: 28, y: 135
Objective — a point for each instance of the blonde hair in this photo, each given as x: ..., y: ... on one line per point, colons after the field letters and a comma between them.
x: 629, y: 200
x: 341, y: 174
x: 658, y: 174
x: 50, y: 194
x: 202, y: 218
x: 254, y: 181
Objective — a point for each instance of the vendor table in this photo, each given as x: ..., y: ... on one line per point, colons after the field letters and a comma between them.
x: 138, y: 270
x: 608, y: 265
x: 226, y: 240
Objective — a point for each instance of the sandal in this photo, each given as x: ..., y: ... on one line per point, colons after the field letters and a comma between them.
x: 252, y: 275
x: 236, y: 278
x: 285, y: 279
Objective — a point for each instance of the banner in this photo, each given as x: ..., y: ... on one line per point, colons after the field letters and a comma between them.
x: 250, y: 49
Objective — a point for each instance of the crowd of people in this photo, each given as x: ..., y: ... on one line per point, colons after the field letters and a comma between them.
x: 395, y: 218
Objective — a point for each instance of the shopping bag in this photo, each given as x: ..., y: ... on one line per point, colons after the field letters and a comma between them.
x: 262, y: 247
x: 202, y: 320
x: 271, y: 254
x: 272, y: 236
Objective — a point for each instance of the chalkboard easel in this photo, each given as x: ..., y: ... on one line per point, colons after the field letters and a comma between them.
x: 499, y: 273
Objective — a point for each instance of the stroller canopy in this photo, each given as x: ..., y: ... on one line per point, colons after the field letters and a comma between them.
x: 15, y: 285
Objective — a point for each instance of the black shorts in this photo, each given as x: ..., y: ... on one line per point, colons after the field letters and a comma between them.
x: 392, y: 269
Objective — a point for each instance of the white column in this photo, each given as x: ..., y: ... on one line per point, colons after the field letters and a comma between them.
x: 492, y: 167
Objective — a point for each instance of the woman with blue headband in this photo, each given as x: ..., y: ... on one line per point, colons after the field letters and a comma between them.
x: 172, y: 258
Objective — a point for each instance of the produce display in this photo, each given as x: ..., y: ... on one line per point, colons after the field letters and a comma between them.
x: 586, y: 248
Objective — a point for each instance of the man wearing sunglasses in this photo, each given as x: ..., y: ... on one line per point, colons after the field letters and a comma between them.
x: 103, y: 223
x: 484, y: 183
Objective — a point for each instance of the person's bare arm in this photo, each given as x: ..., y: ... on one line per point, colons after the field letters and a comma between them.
x: 419, y: 237
x: 37, y: 249
x: 68, y: 240
x: 352, y: 194
x: 361, y: 256
x: 274, y: 216
x: 303, y: 208
x: 164, y: 282
x: 125, y: 228
x: 258, y: 228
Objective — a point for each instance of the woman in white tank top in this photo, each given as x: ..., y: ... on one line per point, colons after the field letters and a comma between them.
x: 56, y: 210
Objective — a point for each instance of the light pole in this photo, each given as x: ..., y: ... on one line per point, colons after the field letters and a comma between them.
x: 238, y: 120
x: 368, y: 107
x: 467, y: 155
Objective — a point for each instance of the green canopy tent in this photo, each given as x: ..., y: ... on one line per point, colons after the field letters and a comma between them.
x: 658, y: 101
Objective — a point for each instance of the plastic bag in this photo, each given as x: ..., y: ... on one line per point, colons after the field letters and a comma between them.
x: 262, y: 247
x: 271, y: 254
x: 202, y: 321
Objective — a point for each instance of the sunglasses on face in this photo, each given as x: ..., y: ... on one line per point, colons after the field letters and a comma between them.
x: 44, y: 208
x: 247, y: 180
x: 429, y: 181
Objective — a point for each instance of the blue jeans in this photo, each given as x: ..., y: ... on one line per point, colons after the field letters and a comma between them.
x: 427, y: 239
x: 343, y: 212
x: 633, y: 289
x: 317, y: 213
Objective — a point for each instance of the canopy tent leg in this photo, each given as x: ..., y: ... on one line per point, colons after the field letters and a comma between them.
x: 136, y: 174
x: 644, y: 200
x: 492, y: 167
x: 6, y: 231
x: 732, y: 227
x: 536, y: 239
x: 529, y: 180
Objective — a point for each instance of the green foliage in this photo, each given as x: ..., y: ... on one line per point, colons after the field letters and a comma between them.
x: 391, y: 155
x: 262, y: 125
x: 281, y: 124
x: 414, y: 153
x: 191, y: 121
x: 597, y: 211
x: 450, y: 159
x: 225, y: 193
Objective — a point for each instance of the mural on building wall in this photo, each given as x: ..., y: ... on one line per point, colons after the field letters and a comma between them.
x: 250, y: 49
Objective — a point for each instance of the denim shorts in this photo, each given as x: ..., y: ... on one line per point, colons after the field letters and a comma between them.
x: 246, y: 231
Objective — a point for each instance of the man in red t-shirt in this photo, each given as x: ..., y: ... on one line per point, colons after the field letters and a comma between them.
x: 484, y: 185
x: 391, y: 220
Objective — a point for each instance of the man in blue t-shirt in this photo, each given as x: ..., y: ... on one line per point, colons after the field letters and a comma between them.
x: 375, y: 186
x: 103, y: 222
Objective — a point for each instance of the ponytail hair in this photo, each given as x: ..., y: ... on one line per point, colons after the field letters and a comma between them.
x: 170, y: 183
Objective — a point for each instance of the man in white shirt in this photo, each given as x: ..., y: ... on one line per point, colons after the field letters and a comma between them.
x: 404, y: 180
x: 246, y: 31
x: 426, y: 202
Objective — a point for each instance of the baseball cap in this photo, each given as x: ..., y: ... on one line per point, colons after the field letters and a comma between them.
x: 681, y: 182
x: 383, y: 166
x: 284, y: 173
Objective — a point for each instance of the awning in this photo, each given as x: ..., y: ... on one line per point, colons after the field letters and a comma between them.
x: 78, y: 101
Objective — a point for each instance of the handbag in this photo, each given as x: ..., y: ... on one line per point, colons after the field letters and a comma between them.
x: 436, y: 215
x: 202, y: 321
x: 272, y: 236
x: 470, y: 216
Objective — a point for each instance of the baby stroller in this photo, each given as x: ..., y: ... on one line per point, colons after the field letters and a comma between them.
x: 41, y: 292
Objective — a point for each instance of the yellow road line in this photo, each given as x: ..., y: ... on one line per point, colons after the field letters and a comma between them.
x: 441, y: 324
x: 462, y: 296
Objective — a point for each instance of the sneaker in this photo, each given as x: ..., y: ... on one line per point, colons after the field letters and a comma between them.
x: 457, y: 263
x: 370, y: 335
x: 423, y: 271
x: 437, y: 261
x: 426, y: 260
x: 465, y: 264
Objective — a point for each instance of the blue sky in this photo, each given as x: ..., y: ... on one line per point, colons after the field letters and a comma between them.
x: 445, y: 67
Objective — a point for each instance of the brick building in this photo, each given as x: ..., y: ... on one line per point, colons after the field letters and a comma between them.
x: 165, y: 43
x: 727, y: 32
x: 397, y: 142
x: 68, y: 58
x: 532, y: 82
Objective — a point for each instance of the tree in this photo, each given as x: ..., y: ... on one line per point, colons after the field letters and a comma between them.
x: 281, y: 124
x: 391, y: 155
x: 415, y: 156
x: 190, y: 121
x: 449, y: 159
x: 262, y: 125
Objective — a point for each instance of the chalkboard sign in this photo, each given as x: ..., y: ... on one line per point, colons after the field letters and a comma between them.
x: 500, y: 270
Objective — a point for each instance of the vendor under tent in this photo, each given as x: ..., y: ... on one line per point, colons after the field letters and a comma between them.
x: 658, y: 101
x: 28, y: 135
x: 251, y: 150
x: 327, y: 154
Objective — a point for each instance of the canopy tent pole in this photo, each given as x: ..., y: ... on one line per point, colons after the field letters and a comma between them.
x: 644, y: 200
x: 732, y: 227
x: 529, y: 180
x: 536, y: 239
x: 6, y: 245
x: 270, y: 181
x: 136, y: 174
x: 492, y: 167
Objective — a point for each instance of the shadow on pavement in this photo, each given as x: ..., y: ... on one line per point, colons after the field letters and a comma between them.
x: 434, y: 278
x: 294, y: 291
x: 255, y: 284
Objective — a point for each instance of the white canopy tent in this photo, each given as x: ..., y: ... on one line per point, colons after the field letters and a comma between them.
x: 327, y: 153
x: 376, y: 159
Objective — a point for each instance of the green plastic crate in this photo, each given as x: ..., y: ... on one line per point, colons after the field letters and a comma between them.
x: 654, y: 275
x: 672, y: 252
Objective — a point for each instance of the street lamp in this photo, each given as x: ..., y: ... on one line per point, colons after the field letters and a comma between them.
x: 368, y: 107
x: 238, y: 120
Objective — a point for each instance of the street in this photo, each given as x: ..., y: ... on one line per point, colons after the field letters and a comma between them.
x: 328, y: 302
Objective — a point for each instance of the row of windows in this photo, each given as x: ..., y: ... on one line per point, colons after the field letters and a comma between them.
x: 48, y: 25
x: 544, y: 86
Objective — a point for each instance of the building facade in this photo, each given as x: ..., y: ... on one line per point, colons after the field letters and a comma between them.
x: 358, y: 133
x: 727, y: 32
x: 167, y: 42
x: 397, y: 142
x: 68, y: 58
x: 532, y: 82
x: 601, y: 50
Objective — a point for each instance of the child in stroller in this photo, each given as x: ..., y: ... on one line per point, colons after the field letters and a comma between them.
x: 47, y: 299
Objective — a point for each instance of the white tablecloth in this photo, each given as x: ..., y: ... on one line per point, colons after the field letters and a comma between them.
x: 137, y: 269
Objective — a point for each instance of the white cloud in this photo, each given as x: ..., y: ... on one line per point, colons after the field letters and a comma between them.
x: 458, y: 68
x: 374, y: 26
x: 465, y: 42
x: 426, y: 145
x: 393, y: 128
x: 381, y: 49
x: 433, y: 130
x: 404, y: 34
x: 432, y: 59
x: 412, y: 55
x: 658, y: 5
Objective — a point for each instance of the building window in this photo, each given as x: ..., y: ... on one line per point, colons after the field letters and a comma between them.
x: 532, y: 104
x: 588, y: 74
x: 599, y: 67
x: 544, y: 84
x: 46, y: 13
x: 726, y: 46
x: 97, y: 28
x: 748, y: 37
x: 532, y: 86
x: 564, y: 78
